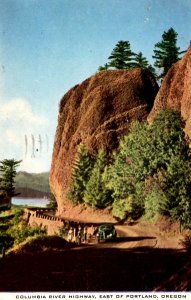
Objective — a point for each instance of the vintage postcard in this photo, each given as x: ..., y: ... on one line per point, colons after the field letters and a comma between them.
x: 95, y: 156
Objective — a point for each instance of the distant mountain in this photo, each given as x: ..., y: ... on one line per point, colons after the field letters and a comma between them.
x: 32, y: 184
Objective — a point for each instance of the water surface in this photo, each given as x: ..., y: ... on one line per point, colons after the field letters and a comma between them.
x: 35, y: 202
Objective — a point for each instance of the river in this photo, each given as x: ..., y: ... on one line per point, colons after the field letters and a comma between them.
x: 35, y: 202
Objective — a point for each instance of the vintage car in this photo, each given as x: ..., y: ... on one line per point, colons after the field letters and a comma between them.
x: 106, y: 232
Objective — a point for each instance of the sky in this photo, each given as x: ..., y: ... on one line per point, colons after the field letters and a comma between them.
x: 48, y: 46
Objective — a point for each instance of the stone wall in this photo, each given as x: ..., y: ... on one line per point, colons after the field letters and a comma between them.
x: 43, y: 219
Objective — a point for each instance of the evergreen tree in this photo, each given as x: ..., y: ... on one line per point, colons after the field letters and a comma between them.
x: 166, y: 52
x: 81, y: 174
x: 141, y: 61
x: 96, y: 194
x: 52, y: 202
x: 122, y: 57
x: 7, y: 175
x: 103, y: 68
x: 154, y: 160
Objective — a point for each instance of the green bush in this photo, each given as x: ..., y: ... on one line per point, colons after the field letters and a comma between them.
x: 21, y: 231
x: 120, y: 209
x: 155, y: 202
x: 18, y: 214
x: 158, y: 153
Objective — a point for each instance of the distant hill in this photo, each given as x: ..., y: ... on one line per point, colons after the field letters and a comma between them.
x: 32, y: 184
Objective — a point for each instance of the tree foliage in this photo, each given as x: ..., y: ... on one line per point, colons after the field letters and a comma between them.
x: 166, y: 52
x: 142, y: 62
x: 150, y: 174
x: 103, y: 68
x: 153, y: 167
x: 7, y: 176
x: 97, y: 194
x: 52, y: 202
x: 80, y: 176
x: 122, y: 57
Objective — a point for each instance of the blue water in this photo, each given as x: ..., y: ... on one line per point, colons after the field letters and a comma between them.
x: 37, y: 202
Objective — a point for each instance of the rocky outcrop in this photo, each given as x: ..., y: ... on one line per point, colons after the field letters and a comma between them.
x: 98, y: 113
x: 175, y: 91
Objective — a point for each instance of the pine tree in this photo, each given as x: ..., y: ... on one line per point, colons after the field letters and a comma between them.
x: 96, y: 194
x: 103, y: 68
x: 7, y: 175
x: 81, y: 174
x: 153, y: 167
x: 122, y: 57
x: 166, y: 52
x: 52, y: 202
x: 141, y: 61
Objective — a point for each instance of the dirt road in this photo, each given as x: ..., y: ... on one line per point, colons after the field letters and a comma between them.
x: 147, y: 235
x: 136, y: 261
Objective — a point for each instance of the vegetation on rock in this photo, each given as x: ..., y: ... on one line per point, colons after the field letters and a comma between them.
x: 149, y: 174
x: 96, y: 193
x: 97, y: 113
x: 166, y: 52
x: 81, y: 174
x: 122, y: 57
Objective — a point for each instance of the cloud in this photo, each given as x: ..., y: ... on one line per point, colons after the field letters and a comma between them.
x: 18, y: 121
x: 20, y: 111
x: 35, y: 165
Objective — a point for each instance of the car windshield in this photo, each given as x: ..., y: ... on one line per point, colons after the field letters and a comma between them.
x: 106, y: 227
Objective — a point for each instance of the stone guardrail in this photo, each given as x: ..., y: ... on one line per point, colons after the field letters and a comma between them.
x: 39, y: 217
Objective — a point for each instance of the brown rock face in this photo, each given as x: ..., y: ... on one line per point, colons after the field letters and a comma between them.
x: 175, y: 91
x: 97, y: 113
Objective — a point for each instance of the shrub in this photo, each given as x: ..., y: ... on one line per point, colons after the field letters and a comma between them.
x: 18, y: 213
x: 21, y: 231
x: 155, y: 203
x: 120, y: 209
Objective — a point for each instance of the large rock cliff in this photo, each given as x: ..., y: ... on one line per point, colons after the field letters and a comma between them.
x: 175, y: 91
x: 97, y: 113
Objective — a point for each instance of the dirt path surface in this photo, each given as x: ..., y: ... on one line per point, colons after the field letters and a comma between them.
x: 139, y: 260
x: 147, y: 235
